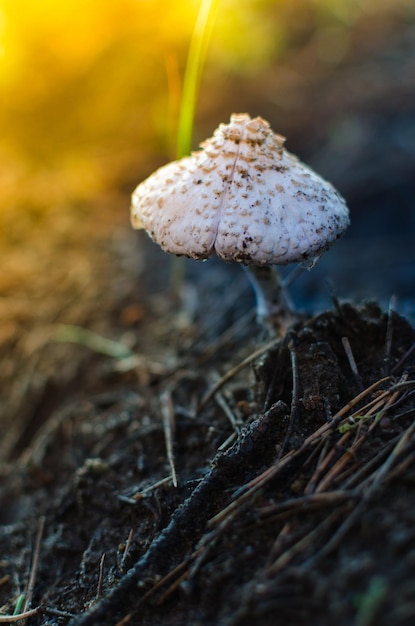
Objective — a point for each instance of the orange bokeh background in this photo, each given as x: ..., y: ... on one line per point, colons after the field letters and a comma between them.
x: 90, y: 90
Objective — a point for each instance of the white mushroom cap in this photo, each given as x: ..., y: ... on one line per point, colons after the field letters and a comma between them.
x: 243, y: 197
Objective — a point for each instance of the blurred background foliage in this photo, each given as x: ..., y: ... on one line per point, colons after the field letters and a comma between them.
x: 90, y: 89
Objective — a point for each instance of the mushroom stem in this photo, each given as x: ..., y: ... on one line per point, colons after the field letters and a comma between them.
x: 275, y: 310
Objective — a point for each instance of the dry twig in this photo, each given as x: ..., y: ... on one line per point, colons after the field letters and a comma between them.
x: 5, y: 619
x: 235, y: 370
x: 34, y: 565
x: 167, y: 410
x: 100, y: 576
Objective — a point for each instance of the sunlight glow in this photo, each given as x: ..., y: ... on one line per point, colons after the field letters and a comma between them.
x: 91, y: 89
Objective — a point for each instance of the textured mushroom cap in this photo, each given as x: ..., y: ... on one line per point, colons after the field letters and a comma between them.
x: 243, y: 197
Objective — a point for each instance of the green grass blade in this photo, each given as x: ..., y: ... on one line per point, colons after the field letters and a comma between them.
x: 193, y: 72
x: 76, y: 334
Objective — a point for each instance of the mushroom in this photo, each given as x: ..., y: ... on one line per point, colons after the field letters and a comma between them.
x: 246, y: 199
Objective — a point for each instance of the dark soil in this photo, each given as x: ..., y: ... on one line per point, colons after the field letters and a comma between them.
x: 300, y: 509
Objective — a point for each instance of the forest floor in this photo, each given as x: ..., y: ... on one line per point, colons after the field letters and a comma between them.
x: 194, y: 471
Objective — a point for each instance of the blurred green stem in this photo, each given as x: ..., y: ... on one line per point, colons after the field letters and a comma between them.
x: 194, y: 67
x: 77, y: 334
